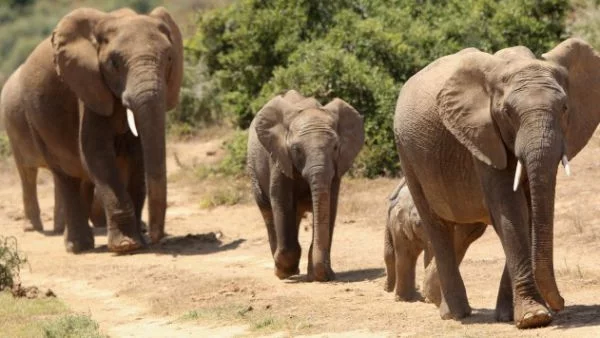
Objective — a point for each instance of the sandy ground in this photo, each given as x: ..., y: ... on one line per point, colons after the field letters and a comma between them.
x: 224, y: 286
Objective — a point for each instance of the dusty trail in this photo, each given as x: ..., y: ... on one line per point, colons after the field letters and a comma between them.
x: 192, y: 286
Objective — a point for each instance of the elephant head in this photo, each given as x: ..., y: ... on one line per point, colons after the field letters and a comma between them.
x: 539, y: 112
x: 317, y: 144
x: 121, y: 61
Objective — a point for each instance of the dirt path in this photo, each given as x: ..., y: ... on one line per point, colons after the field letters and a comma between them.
x: 224, y: 285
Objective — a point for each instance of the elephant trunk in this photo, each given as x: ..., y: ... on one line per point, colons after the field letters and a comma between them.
x: 149, y: 111
x: 320, y: 185
x: 542, y: 155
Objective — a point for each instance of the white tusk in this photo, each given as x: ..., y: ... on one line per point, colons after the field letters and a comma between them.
x: 565, y: 163
x: 131, y: 122
x: 517, y: 175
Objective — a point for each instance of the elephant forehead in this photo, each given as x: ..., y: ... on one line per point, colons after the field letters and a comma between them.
x: 313, y: 119
x: 131, y: 28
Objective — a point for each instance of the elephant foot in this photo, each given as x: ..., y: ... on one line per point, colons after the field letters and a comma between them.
x: 78, y: 242
x: 408, y: 296
x: 156, y: 235
x: 531, y: 314
x: 504, y: 314
x: 286, y: 262
x: 388, y: 286
x: 30, y: 226
x: 320, y: 272
x: 283, y: 274
x: 120, y: 243
x: 59, y: 228
x: 461, y: 309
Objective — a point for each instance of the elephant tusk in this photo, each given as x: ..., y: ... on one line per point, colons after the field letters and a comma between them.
x: 565, y: 163
x: 131, y: 122
x: 518, y: 175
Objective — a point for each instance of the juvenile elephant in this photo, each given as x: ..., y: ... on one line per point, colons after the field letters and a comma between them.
x: 80, y: 88
x: 404, y: 241
x: 29, y: 159
x: 466, y: 126
x: 298, y: 152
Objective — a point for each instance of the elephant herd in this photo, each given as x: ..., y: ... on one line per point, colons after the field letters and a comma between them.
x: 479, y: 137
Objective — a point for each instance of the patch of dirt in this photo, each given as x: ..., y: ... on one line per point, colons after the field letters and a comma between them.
x: 216, y: 265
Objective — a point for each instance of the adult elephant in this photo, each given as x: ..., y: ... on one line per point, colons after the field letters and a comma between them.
x: 97, y: 73
x: 465, y: 127
x: 298, y: 152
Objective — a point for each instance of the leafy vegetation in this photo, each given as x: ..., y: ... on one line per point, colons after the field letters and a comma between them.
x: 359, y: 50
x: 5, y: 150
x: 11, y: 261
x: 72, y: 326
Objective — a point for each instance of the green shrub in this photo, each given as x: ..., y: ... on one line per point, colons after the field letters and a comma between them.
x: 72, y: 326
x: 5, y: 149
x: 11, y: 261
x: 359, y: 50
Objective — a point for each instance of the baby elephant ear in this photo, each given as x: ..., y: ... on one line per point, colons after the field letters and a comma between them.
x: 351, y: 133
x: 464, y: 107
x: 271, y: 124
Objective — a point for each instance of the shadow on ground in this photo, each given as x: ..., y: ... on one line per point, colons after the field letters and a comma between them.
x: 577, y: 316
x: 350, y: 276
x: 187, y: 245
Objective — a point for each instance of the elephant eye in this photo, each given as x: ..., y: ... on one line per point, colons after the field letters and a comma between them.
x: 114, y: 63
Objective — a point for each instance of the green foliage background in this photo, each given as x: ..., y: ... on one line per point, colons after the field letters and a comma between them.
x: 359, y: 50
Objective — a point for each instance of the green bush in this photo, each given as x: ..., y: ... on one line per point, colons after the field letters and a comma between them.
x: 11, y: 261
x: 359, y: 50
x: 5, y: 149
x: 72, y: 326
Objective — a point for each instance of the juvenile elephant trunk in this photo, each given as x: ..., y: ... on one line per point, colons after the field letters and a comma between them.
x: 541, y: 161
x: 320, y: 255
x: 148, y: 106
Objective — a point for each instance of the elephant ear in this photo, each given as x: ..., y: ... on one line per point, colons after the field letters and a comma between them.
x: 76, y: 59
x: 582, y: 63
x: 351, y: 133
x: 176, y: 73
x: 271, y: 124
x: 464, y: 106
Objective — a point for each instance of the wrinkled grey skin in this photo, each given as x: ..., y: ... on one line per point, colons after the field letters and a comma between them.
x: 298, y: 152
x: 76, y: 87
x: 404, y: 241
x: 28, y: 160
x: 461, y: 125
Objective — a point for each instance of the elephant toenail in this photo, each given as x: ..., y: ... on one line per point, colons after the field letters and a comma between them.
x: 528, y: 315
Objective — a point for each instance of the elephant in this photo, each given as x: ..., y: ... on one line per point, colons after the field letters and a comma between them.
x: 29, y: 159
x: 298, y: 151
x: 480, y: 138
x: 80, y: 89
x: 405, y: 240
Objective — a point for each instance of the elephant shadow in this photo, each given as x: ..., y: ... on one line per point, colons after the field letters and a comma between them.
x: 571, y: 317
x: 186, y: 245
x: 578, y: 316
x: 350, y: 276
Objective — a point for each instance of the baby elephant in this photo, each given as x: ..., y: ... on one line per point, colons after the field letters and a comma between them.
x: 405, y: 239
x: 298, y: 152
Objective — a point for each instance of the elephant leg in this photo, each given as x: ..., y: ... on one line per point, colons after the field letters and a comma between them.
x: 97, y: 214
x: 464, y: 235
x: 454, y: 302
x: 504, y: 302
x: 99, y: 157
x: 267, y: 215
x: 389, y: 258
x: 78, y: 235
x: 60, y: 220
x: 510, y: 217
x: 28, y: 177
x: 406, y: 255
x: 136, y: 183
x: 287, y: 254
